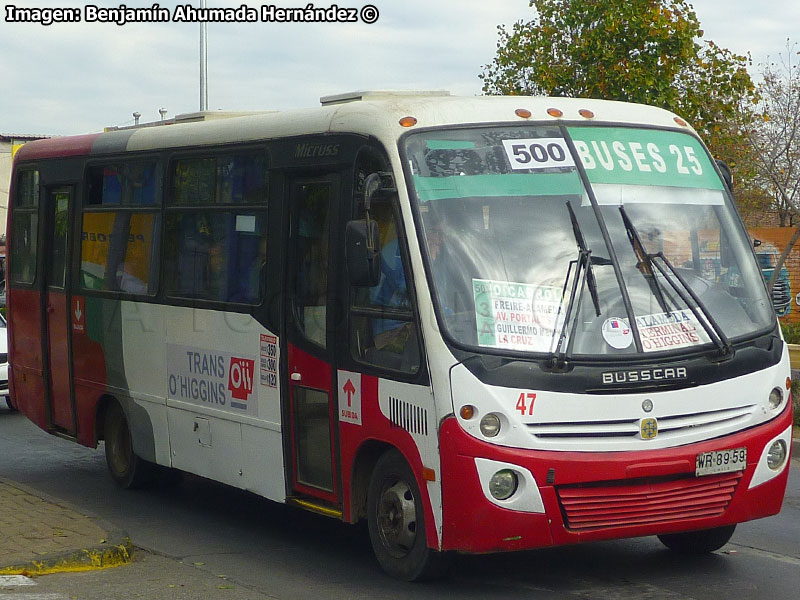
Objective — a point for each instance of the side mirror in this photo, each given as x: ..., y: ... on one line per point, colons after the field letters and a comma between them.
x: 727, y: 176
x: 363, y: 253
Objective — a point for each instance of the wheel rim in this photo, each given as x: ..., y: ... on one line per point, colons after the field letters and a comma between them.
x: 121, y: 447
x: 397, y: 519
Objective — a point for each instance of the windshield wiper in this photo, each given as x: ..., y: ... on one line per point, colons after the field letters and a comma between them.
x: 584, y: 275
x: 645, y: 264
x: 699, y: 309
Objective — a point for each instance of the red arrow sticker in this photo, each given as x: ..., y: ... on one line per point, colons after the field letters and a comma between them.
x: 350, y: 397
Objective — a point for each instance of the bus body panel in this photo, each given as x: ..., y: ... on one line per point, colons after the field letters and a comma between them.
x: 169, y: 366
x: 59, y: 147
x: 611, y: 422
x: 26, y: 375
x: 494, y: 528
x: 400, y: 415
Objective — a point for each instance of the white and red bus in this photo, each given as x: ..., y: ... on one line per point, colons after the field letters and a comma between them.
x: 481, y: 324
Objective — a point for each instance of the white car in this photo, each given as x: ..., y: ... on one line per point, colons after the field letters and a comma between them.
x: 4, y: 362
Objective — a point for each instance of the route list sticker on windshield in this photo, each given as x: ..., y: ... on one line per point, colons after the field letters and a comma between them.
x: 670, y: 331
x: 516, y: 316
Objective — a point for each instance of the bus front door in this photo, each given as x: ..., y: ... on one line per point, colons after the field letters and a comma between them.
x: 309, y: 342
x: 57, y: 319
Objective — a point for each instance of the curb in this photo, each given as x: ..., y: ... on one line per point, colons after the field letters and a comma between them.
x: 88, y: 559
x: 115, y: 551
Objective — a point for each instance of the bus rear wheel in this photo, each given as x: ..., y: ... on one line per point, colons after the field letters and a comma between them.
x: 698, y: 542
x: 127, y: 470
x: 395, y: 516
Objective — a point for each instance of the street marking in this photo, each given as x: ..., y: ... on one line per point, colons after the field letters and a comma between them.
x: 629, y: 591
x: 7, y: 581
x: 33, y: 597
x: 767, y: 554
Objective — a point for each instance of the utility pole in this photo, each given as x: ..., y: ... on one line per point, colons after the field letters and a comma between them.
x: 203, y: 62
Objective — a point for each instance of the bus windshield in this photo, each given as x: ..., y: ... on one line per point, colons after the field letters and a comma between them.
x: 649, y: 257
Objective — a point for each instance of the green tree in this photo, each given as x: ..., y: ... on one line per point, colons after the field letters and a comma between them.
x: 645, y: 51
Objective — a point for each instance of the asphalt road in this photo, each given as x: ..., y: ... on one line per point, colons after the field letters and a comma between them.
x: 202, y: 539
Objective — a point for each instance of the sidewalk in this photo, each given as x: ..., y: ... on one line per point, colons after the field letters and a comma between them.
x: 39, y: 535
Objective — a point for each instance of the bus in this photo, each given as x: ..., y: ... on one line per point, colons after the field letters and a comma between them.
x: 478, y: 324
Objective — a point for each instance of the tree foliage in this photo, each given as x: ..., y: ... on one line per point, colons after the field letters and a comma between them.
x: 645, y: 51
x: 773, y: 141
x: 774, y: 135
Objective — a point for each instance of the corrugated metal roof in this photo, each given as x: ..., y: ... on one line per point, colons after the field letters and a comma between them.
x: 24, y: 136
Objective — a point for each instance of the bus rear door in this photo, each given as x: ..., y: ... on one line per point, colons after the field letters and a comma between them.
x: 57, y: 309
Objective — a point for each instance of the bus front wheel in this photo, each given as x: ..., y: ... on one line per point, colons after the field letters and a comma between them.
x: 126, y: 468
x: 396, y: 521
x: 698, y: 542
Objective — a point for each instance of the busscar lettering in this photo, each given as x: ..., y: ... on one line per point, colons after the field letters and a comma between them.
x: 644, y: 375
x: 42, y: 16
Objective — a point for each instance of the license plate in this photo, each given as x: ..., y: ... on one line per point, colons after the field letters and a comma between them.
x: 721, y: 461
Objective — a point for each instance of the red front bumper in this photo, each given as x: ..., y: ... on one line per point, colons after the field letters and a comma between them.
x: 474, y: 524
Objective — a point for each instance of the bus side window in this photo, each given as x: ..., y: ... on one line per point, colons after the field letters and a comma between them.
x: 24, y: 228
x: 216, y: 223
x: 119, y: 247
x: 382, y: 328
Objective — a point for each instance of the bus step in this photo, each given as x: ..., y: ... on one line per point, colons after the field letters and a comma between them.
x: 316, y: 507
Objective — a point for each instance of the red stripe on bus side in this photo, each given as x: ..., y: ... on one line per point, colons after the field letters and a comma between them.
x: 77, y: 145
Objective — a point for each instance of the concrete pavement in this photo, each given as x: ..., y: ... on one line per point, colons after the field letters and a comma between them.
x: 41, y: 535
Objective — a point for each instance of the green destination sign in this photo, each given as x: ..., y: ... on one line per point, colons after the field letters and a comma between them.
x: 622, y: 155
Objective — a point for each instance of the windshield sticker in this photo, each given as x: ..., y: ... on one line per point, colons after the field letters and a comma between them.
x: 496, y: 186
x: 516, y: 316
x: 644, y: 157
x: 670, y: 331
x: 538, y: 153
x: 617, y: 333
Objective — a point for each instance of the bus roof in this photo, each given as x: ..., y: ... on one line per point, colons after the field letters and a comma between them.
x: 367, y: 113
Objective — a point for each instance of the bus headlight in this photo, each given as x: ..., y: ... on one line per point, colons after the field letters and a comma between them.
x: 776, y: 455
x: 490, y: 425
x: 775, y: 398
x: 503, y: 484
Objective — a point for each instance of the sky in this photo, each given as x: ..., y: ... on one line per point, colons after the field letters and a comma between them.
x: 71, y: 78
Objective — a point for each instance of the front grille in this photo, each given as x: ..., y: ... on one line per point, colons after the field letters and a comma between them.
x: 624, y: 429
x: 624, y: 503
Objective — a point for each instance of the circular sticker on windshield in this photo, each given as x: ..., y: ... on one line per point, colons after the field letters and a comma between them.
x: 617, y: 333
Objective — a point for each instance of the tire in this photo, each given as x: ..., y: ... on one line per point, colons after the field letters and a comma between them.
x: 127, y: 470
x: 396, y: 521
x: 10, y: 404
x: 698, y: 542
